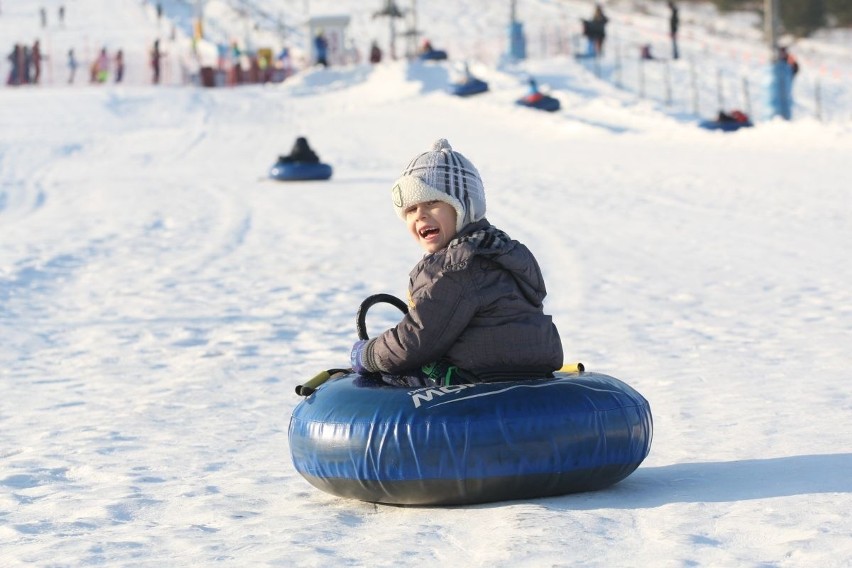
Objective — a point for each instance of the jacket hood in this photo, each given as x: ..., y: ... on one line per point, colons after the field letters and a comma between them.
x: 481, y: 239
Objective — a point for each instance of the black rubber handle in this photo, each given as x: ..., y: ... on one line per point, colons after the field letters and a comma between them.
x: 369, y: 302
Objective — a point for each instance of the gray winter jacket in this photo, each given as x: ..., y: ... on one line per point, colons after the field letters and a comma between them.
x: 476, y: 304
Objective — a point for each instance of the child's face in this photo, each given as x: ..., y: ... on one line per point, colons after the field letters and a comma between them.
x: 432, y: 223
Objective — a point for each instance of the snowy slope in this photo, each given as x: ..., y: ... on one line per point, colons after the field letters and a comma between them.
x: 160, y: 298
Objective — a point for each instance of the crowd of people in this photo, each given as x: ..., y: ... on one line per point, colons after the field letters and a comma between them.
x: 25, y: 65
x: 237, y: 66
x: 25, y: 61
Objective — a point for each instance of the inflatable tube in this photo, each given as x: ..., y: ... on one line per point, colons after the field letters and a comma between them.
x: 471, y: 87
x: 299, y: 171
x: 434, y: 55
x: 358, y: 438
x: 724, y: 126
x: 543, y: 102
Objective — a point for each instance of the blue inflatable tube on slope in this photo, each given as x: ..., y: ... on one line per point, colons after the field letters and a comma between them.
x: 472, y: 87
x: 358, y: 438
x: 299, y: 171
x: 724, y: 126
x: 433, y: 55
x: 545, y: 103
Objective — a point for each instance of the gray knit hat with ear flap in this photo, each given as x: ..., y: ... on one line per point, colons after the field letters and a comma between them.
x: 441, y: 174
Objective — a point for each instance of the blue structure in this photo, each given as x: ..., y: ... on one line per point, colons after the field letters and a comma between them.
x: 360, y: 438
x: 779, y: 91
x: 517, y: 41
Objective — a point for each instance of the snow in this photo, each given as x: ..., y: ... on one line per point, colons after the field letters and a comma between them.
x: 160, y: 299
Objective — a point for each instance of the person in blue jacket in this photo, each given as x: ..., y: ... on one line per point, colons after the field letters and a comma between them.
x: 321, y: 47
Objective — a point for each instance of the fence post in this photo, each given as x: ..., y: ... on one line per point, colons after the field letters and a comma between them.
x: 818, y: 99
x: 719, y: 93
x: 693, y: 82
x: 668, y: 85
x: 618, y: 65
x: 746, y: 96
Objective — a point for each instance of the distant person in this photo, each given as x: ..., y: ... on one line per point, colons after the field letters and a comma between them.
x: 25, y: 64
x: 236, y: 72
x: 735, y: 116
x: 284, y: 62
x: 119, y: 66
x: 100, y: 67
x: 43, y: 16
x: 300, y: 154
x: 156, y: 56
x: 595, y: 30
x: 321, y: 48
x: 787, y: 57
x: 375, y: 53
x: 784, y: 69
x: 674, y: 25
x: 72, y: 66
x: 532, y: 87
x: 62, y: 15
x: 466, y: 75
x: 533, y: 94
x: 14, y: 58
x: 35, y: 59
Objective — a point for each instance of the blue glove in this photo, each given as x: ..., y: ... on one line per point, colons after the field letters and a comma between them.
x: 356, y: 357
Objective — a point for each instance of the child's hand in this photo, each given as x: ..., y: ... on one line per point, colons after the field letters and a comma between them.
x: 356, y: 357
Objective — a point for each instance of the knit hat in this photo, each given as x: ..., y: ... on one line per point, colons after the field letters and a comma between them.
x: 441, y: 174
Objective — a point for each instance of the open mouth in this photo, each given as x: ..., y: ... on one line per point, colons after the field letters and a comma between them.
x: 427, y: 232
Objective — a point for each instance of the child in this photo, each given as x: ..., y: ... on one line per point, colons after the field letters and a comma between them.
x: 475, y: 299
x: 301, y: 153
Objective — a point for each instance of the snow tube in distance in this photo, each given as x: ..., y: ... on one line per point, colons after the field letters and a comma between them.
x: 434, y: 55
x: 299, y: 171
x: 473, y: 86
x: 724, y: 126
x: 357, y: 437
x: 540, y: 102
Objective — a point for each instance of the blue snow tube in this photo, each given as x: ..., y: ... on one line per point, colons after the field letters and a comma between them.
x: 357, y: 437
x: 299, y: 171
x: 473, y: 86
x: 433, y: 55
x: 724, y: 126
x: 543, y: 102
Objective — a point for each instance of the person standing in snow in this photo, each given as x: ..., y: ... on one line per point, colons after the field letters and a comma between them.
x: 674, y: 25
x: 321, y: 48
x: 14, y: 58
x: 119, y: 66
x: 375, y: 53
x: 100, y: 67
x: 156, y: 56
x: 596, y: 30
x: 72, y: 66
x: 35, y: 55
x: 475, y: 299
